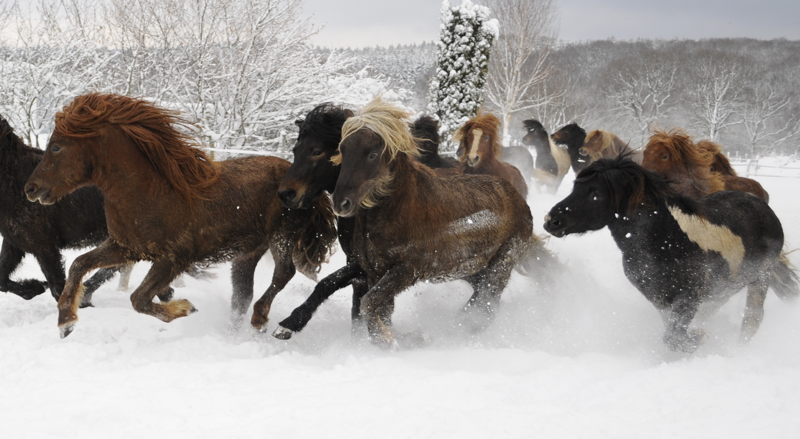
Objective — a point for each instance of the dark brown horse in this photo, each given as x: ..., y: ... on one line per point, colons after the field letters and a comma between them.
x: 733, y: 182
x: 479, y: 151
x: 77, y: 221
x: 166, y: 202
x: 426, y: 133
x: 675, y: 156
x: 552, y: 161
x: 412, y: 225
x: 572, y: 137
x: 601, y: 144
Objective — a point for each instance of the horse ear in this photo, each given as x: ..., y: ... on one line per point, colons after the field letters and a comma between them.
x: 299, y: 122
x: 349, y: 113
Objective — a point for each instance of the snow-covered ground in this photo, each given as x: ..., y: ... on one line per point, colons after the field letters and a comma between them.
x: 587, y: 362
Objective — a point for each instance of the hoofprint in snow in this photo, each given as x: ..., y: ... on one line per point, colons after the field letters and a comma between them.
x: 585, y: 362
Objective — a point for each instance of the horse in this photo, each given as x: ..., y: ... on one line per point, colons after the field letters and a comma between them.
x: 479, y: 150
x: 677, y: 251
x: 603, y: 144
x: 167, y: 203
x: 733, y: 182
x: 312, y: 174
x: 674, y: 155
x: 413, y: 226
x: 426, y: 134
x: 77, y: 221
x: 572, y: 137
x: 552, y: 162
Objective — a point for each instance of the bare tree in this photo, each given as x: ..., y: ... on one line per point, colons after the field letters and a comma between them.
x: 518, y: 62
x: 764, y: 117
x: 716, y: 91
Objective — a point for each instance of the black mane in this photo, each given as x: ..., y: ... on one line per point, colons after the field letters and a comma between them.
x: 533, y: 124
x: 324, y: 123
x: 426, y: 132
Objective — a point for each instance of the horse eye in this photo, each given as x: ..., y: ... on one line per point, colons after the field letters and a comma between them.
x: 373, y: 155
x: 485, y: 137
x: 316, y: 153
x: 665, y: 157
x: 56, y: 148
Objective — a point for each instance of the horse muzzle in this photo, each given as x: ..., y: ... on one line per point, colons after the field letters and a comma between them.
x: 554, y: 226
x: 35, y: 193
x: 472, y: 162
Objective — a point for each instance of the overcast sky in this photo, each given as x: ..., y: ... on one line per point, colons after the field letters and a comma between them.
x: 360, y: 23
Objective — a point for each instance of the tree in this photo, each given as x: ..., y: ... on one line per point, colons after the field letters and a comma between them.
x: 519, y: 55
x: 761, y: 114
x: 716, y: 91
x: 465, y: 41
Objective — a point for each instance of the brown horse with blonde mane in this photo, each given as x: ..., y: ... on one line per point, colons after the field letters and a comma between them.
x: 479, y: 151
x: 688, y: 166
x: 601, y: 144
x: 166, y: 202
x: 412, y: 225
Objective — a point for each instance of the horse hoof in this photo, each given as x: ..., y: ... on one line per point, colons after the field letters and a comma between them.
x: 66, y: 329
x: 86, y: 305
x: 192, y: 310
x: 282, y: 333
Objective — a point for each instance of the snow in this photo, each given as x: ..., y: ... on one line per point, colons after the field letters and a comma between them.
x: 587, y: 362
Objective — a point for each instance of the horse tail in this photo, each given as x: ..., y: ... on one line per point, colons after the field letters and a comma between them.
x: 783, y: 279
x: 540, y: 264
x: 315, y: 236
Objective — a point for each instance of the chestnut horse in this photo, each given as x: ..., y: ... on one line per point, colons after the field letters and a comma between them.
x: 166, y: 202
x: 717, y: 244
x: 675, y: 156
x: 601, y: 144
x: 479, y: 151
x: 733, y: 182
x: 413, y: 226
x: 552, y: 161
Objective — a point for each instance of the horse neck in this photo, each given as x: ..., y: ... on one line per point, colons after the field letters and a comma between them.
x: 404, y: 187
x: 17, y: 162
x: 645, y: 224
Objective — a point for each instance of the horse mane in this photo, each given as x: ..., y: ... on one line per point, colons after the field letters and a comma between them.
x: 426, y: 129
x: 720, y: 163
x: 602, y: 139
x: 533, y: 124
x: 630, y: 185
x: 324, y: 123
x: 389, y: 122
x: 488, y: 123
x: 684, y: 153
x: 154, y: 131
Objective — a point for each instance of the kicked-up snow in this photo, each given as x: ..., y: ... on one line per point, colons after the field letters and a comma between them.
x: 586, y: 361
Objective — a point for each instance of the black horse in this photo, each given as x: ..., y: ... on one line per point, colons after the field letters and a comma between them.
x: 680, y: 252
x: 426, y: 131
x: 551, y: 162
x: 573, y: 137
x: 77, y: 221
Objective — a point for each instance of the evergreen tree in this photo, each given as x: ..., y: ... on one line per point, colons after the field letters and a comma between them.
x: 456, y: 90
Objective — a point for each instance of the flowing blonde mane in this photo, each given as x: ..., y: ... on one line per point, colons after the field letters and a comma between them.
x: 154, y: 131
x: 389, y: 122
x: 489, y: 124
x: 720, y: 163
x: 683, y: 153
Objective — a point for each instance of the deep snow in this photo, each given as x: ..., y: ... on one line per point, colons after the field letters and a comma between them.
x: 587, y: 362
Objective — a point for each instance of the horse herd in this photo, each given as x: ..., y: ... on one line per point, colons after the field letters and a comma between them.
x: 124, y: 175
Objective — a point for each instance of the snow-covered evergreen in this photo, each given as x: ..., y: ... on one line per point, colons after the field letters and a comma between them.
x: 456, y: 91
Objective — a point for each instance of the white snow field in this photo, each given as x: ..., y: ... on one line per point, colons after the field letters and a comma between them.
x: 586, y: 362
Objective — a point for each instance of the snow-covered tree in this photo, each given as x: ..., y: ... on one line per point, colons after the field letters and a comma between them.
x: 465, y: 42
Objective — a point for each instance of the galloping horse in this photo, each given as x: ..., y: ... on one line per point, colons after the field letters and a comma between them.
x: 412, y: 225
x: 479, y: 150
x: 674, y: 155
x: 572, y: 137
x: 166, y: 202
x: 77, y: 221
x: 677, y: 251
x: 552, y: 161
x: 601, y: 144
x: 312, y: 174
x: 733, y: 182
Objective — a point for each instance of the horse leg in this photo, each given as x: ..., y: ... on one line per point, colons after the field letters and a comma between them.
x: 99, y: 278
x: 156, y: 282
x: 284, y: 271
x: 242, y: 270
x: 488, y: 285
x: 377, y: 306
x: 108, y: 254
x: 10, y: 257
x: 754, y: 310
x: 325, y: 288
x: 678, y: 336
x: 125, y: 271
x: 52, y: 266
x: 360, y: 289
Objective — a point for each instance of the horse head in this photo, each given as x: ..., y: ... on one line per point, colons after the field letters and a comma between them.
x: 479, y: 140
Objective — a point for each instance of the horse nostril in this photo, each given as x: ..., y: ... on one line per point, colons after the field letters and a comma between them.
x: 31, y: 188
x: 345, y: 205
x: 287, y: 195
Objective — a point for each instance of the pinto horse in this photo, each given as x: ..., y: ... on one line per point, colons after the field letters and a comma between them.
x: 689, y: 167
x: 479, y: 151
x: 601, y: 144
x: 77, y: 221
x: 166, y: 202
x: 677, y: 251
x: 552, y: 162
x: 412, y: 225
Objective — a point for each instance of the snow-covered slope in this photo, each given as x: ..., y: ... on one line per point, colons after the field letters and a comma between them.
x: 587, y: 362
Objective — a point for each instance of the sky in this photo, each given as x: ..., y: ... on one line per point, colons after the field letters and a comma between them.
x: 364, y: 23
